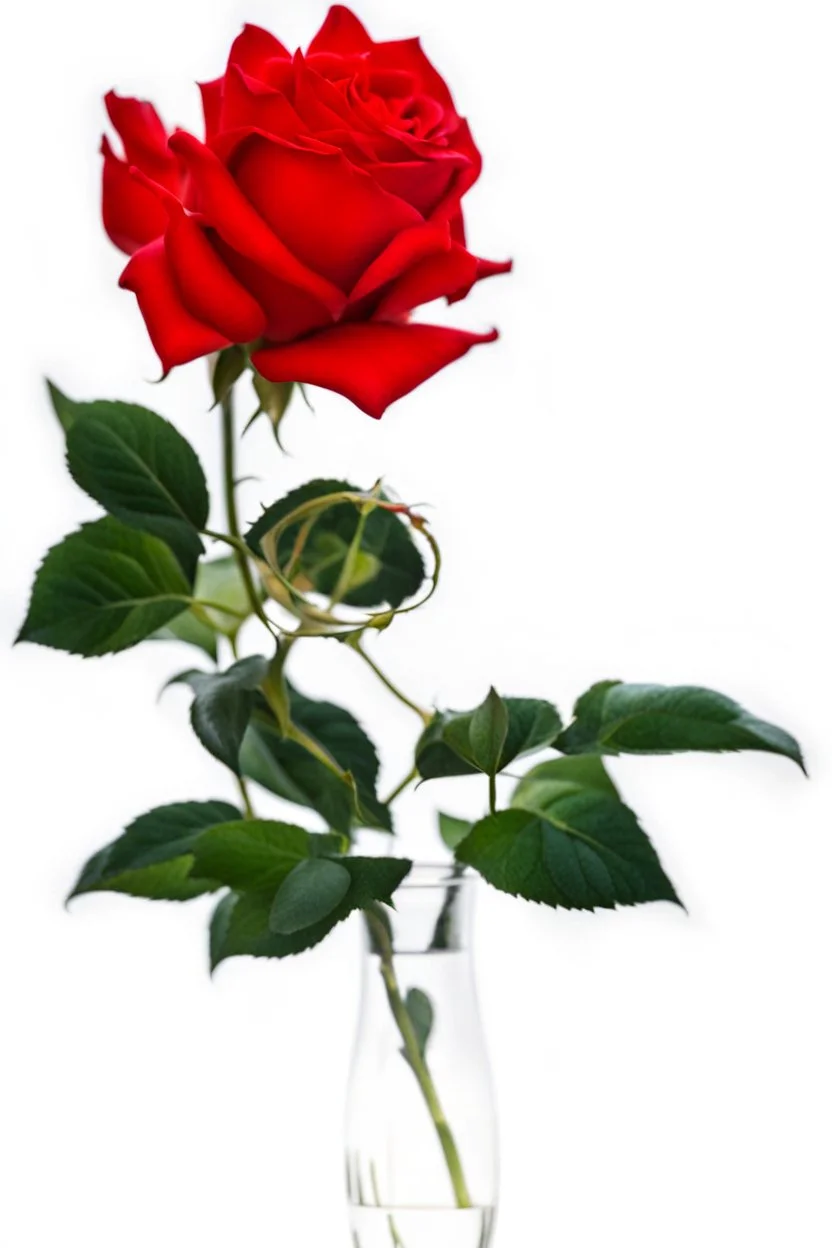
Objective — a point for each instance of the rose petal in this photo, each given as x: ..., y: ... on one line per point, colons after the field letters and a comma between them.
x: 248, y: 103
x: 448, y: 209
x: 132, y: 214
x: 434, y: 277
x: 290, y: 312
x: 226, y: 208
x: 372, y: 364
x: 405, y: 250
x: 144, y: 138
x: 341, y: 32
x: 485, y: 268
x: 253, y: 49
x: 408, y: 54
x: 207, y: 288
x: 422, y: 183
x: 177, y: 335
x: 211, y: 93
x: 330, y: 214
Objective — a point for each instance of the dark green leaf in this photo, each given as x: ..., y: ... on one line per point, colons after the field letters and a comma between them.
x: 453, y: 830
x: 308, y: 894
x: 241, y: 921
x: 290, y: 771
x: 103, y: 589
x: 229, y: 366
x: 445, y: 747
x: 487, y: 733
x: 258, y: 853
x: 617, y: 718
x: 140, y: 469
x: 420, y: 1009
x: 585, y: 850
x: 388, y: 569
x: 223, y: 704
x: 548, y: 781
x: 65, y: 409
x: 152, y: 858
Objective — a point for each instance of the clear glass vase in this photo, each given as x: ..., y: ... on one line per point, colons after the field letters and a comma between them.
x: 421, y: 1125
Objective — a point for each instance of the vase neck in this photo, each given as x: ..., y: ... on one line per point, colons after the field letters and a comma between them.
x: 432, y: 914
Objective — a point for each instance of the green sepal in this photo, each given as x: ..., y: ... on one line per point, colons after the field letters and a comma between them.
x: 152, y: 858
x: 388, y: 568
x: 103, y: 589
x: 228, y: 367
x: 222, y: 706
x: 142, y: 471
x: 240, y: 925
x: 273, y: 398
x: 446, y: 749
x: 617, y: 718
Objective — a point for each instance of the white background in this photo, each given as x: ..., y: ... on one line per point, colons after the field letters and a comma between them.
x: 633, y: 483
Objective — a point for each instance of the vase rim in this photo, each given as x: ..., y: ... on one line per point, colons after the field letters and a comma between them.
x: 436, y: 875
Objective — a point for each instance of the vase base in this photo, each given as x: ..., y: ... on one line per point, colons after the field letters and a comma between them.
x: 378, y: 1227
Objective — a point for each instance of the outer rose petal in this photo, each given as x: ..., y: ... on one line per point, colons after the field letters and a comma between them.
x: 226, y: 208
x: 177, y: 335
x: 331, y: 215
x: 290, y: 312
x: 372, y: 364
x: 132, y: 214
x: 211, y: 93
x: 406, y: 249
x: 341, y: 32
x: 144, y: 137
x: 253, y: 49
x: 207, y: 288
x: 443, y: 274
x: 485, y: 268
x: 422, y: 183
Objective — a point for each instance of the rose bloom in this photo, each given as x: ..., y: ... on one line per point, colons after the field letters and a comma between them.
x: 321, y: 209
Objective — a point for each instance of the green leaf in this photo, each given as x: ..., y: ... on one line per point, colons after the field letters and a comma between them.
x: 229, y: 366
x: 152, y: 858
x: 240, y: 925
x: 103, y: 589
x: 548, y: 781
x: 222, y: 707
x: 141, y: 470
x: 617, y: 718
x: 258, y: 853
x: 388, y: 569
x: 308, y: 894
x: 420, y: 1009
x: 445, y: 747
x: 487, y: 733
x: 287, y: 769
x: 586, y: 850
x: 453, y: 830
x: 65, y: 409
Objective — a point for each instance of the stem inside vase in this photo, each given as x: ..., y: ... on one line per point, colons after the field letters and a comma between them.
x: 416, y: 1060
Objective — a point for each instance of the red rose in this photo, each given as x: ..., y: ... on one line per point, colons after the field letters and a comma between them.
x: 321, y: 209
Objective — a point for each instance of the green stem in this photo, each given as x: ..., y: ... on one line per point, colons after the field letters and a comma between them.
x: 416, y: 1060
x: 492, y: 794
x: 423, y: 714
x: 230, y: 488
x: 401, y: 786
